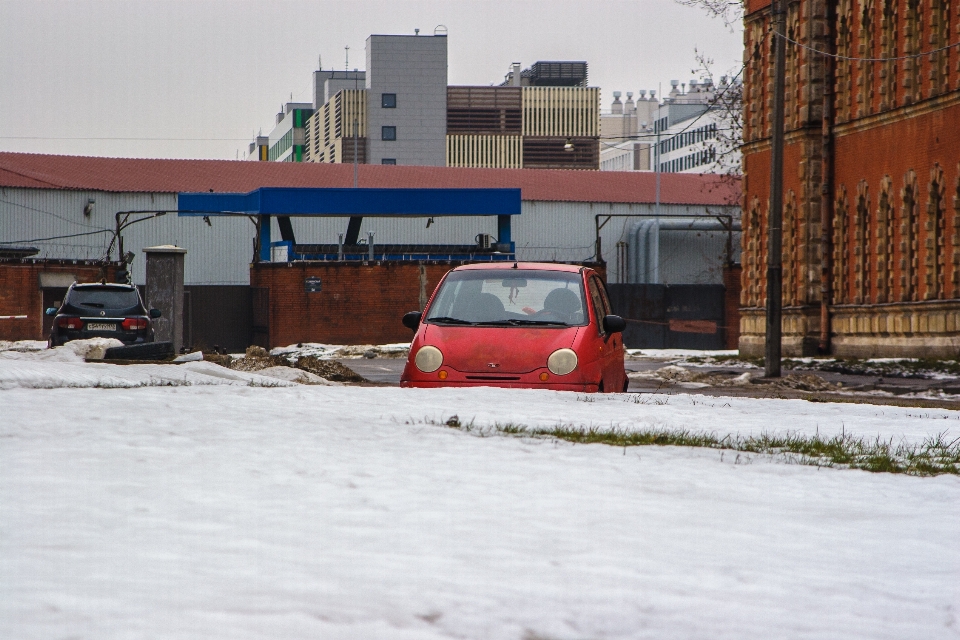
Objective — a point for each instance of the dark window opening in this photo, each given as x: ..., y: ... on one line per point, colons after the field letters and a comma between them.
x: 388, y: 133
x: 388, y: 161
x: 388, y: 100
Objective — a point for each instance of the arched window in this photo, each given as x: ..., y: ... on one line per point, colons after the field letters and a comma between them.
x: 935, y: 229
x: 939, y: 38
x: 790, y: 266
x: 841, y: 260
x: 888, y: 49
x: 909, y: 238
x: 885, y: 241
x: 865, y: 68
x: 844, y: 80
x: 913, y: 41
x: 861, y: 244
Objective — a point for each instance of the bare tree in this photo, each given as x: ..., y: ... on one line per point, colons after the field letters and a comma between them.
x: 730, y: 12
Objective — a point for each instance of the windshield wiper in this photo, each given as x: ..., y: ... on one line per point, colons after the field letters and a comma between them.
x: 448, y: 320
x: 519, y: 321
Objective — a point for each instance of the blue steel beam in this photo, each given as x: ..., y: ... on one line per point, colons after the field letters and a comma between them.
x: 354, y: 202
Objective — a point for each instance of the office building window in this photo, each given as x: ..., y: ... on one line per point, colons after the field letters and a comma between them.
x: 388, y: 161
x: 388, y: 100
x: 388, y: 133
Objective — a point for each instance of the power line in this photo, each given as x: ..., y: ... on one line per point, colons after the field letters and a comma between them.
x: 72, y: 235
x: 839, y: 57
x: 50, y: 213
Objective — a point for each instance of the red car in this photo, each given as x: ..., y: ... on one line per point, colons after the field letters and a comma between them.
x: 515, y: 324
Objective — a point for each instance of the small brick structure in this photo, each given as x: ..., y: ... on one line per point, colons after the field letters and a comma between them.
x: 341, y: 302
x: 28, y: 286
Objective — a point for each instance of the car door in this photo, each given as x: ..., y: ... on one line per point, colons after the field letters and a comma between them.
x: 615, y: 351
x: 612, y: 381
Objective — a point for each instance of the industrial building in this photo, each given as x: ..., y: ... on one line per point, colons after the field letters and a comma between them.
x: 680, y: 134
x: 400, y: 110
x: 69, y: 208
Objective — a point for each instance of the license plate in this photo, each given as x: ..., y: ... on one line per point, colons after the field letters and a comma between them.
x: 101, y: 326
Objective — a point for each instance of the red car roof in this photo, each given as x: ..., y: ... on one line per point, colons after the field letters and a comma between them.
x: 536, y: 266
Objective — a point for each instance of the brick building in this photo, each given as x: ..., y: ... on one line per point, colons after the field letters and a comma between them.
x: 871, y: 220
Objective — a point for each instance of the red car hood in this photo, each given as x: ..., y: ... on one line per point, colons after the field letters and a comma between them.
x: 513, y: 349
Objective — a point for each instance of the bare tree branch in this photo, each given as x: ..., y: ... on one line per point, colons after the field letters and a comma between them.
x: 730, y: 12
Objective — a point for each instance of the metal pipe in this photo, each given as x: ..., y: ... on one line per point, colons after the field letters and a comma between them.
x: 826, y: 190
x: 774, y: 338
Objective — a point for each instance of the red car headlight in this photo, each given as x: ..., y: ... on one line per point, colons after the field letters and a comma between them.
x: 562, y: 361
x: 428, y: 359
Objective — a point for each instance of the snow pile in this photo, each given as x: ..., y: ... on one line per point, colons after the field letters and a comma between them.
x: 329, y: 351
x: 73, y: 351
x: 22, y: 345
x: 677, y: 353
x: 351, y: 512
x: 64, y: 368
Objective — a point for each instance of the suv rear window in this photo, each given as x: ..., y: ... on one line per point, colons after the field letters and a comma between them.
x: 104, y: 298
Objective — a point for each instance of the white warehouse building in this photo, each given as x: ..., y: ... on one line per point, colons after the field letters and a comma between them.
x: 66, y: 207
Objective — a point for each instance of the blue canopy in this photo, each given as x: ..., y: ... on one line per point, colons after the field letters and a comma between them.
x: 295, y: 201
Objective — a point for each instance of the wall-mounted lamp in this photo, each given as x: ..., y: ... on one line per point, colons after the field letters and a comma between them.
x: 88, y: 208
x: 568, y: 145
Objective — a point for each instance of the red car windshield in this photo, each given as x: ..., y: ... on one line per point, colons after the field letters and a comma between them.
x: 510, y: 297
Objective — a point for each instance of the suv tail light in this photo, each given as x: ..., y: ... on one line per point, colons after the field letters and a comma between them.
x: 70, y: 323
x: 130, y: 324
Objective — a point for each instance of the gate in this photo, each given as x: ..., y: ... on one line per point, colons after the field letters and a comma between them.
x: 680, y: 316
x: 217, y: 315
x: 260, y: 313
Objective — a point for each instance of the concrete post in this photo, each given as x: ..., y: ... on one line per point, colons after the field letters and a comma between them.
x: 165, y: 292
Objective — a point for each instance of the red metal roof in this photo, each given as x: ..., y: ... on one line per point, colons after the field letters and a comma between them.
x: 37, y: 171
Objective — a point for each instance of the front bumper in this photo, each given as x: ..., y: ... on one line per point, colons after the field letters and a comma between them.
x: 505, y: 384
x: 529, y: 380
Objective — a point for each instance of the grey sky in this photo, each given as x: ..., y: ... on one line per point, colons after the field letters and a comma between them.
x: 218, y: 71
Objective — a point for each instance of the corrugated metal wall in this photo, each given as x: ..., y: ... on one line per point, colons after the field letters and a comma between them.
x: 220, y: 253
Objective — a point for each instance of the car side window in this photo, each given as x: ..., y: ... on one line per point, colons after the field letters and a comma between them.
x: 598, y: 308
x: 608, y: 308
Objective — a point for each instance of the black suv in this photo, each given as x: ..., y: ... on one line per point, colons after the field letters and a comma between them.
x: 102, y: 311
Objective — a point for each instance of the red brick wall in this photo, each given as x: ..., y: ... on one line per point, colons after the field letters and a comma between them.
x: 359, y: 303
x: 20, y: 292
x: 731, y: 306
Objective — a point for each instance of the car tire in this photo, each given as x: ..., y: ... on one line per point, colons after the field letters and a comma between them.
x: 145, y: 351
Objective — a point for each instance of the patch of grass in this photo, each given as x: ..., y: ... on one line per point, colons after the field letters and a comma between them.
x: 934, y: 456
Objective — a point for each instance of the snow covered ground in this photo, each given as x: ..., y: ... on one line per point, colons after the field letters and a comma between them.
x: 202, y: 511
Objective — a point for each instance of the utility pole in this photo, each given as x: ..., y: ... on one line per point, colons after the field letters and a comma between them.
x: 775, y: 220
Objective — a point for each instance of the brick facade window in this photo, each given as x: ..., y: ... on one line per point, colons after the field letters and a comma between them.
x: 888, y: 49
x: 844, y: 80
x: 841, y: 246
x: 940, y: 38
x: 864, y: 68
x: 909, y: 238
x: 935, y: 231
x: 913, y: 41
x: 861, y: 248
x: 885, y: 241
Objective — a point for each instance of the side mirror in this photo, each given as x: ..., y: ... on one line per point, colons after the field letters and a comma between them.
x: 614, y: 324
x: 50, y: 311
x: 155, y: 313
x: 412, y: 320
